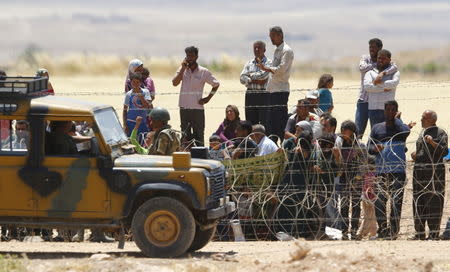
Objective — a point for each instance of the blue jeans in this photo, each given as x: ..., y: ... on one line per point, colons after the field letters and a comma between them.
x: 376, y: 116
x: 361, y: 117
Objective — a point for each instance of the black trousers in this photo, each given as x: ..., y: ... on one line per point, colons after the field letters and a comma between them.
x: 193, y: 125
x: 428, y: 199
x: 349, y: 192
x: 391, y: 187
x: 278, y: 114
x: 257, y: 107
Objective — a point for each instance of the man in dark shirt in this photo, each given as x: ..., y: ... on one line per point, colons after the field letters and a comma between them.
x: 60, y: 142
x: 429, y: 177
x: 243, y: 146
x: 387, y: 142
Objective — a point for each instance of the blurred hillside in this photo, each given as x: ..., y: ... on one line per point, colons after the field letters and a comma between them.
x: 326, y: 30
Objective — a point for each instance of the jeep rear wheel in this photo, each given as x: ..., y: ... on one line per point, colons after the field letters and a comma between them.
x: 202, y: 238
x: 163, y: 227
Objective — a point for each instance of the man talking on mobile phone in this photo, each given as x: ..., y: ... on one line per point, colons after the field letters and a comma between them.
x: 193, y: 78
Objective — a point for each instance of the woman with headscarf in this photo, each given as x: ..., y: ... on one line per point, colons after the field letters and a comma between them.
x: 44, y: 73
x: 293, y: 194
x: 227, y: 129
x: 135, y: 66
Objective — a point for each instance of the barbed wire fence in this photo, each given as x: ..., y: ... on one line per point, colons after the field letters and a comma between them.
x: 299, y: 195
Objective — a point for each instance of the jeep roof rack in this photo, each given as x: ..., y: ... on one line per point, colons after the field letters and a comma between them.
x: 23, y: 86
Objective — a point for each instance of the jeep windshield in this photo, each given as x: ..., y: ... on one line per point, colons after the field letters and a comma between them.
x: 110, y: 127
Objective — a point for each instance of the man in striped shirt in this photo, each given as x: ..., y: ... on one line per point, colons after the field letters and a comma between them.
x: 255, y: 79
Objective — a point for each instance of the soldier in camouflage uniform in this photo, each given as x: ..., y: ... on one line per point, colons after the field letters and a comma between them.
x: 162, y: 140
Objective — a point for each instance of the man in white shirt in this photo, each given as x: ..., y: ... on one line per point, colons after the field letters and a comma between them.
x: 193, y: 78
x: 265, y: 145
x: 380, y: 87
x: 367, y: 63
x: 278, y: 85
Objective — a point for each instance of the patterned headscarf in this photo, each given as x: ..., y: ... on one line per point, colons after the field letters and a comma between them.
x: 135, y: 63
x: 306, y: 128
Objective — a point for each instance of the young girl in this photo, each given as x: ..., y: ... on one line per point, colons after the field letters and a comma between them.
x: 137, y: 103
x: 325, y: 96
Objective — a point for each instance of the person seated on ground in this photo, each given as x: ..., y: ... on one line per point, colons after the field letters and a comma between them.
x: 243, y: 146
x: 227, y: 129
x: 293, y: 215
x: 313, y: 98
x: 265, y: 145
x: 328, y: 123
x: 215, y: 148
x: 302, y: 114
x: 44, y: 73
x: 147, y: 83
x: 20, y: 139
x: 134, y: 67
x: 162, y: 140
x: 137, y: 103
x: 324, y: 160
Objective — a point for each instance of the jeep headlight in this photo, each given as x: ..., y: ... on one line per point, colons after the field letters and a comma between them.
x: 208, y: 185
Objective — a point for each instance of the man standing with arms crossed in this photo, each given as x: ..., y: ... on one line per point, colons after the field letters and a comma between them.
x: 380, y: 87
x: 255, y: 79
x: 278, y: 85
x: 193, y: 78
x: 367, y: 63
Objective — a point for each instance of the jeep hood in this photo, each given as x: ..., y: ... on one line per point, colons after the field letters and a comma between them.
x: 137, y: 160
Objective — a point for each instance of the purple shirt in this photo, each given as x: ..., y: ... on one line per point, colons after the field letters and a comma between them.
x: 224, y: 134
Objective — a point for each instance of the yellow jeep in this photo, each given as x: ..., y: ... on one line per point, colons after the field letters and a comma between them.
x: 170, y: 203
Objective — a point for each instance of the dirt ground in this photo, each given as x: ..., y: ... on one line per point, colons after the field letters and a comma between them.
x: 342, y: 256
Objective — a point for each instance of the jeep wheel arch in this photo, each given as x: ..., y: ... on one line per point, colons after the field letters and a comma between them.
x: 143, y: 192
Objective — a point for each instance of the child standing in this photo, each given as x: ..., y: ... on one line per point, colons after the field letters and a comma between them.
x: 137, y: 103
x: 325, y: 96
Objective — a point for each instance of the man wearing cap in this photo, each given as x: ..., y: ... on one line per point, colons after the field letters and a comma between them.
x: 313, y: 98
x: 278, y: 85
x: 302, y: 113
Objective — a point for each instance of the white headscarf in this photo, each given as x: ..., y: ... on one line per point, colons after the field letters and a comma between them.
x: 306, y: 128
x: 135, y: 63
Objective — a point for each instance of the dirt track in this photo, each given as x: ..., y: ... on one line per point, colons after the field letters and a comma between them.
x: 229, y: 256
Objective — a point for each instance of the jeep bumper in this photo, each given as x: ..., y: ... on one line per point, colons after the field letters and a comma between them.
x: 223, y: 210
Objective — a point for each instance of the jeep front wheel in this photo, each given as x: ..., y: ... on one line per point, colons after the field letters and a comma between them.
x: 163, y: 227
x: 202, y: 238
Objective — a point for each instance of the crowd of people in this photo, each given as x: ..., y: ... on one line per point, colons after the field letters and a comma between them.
x: 329, y: 175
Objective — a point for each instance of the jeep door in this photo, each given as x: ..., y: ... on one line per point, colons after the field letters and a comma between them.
x: 15, y: 195
x: 78, y: 191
